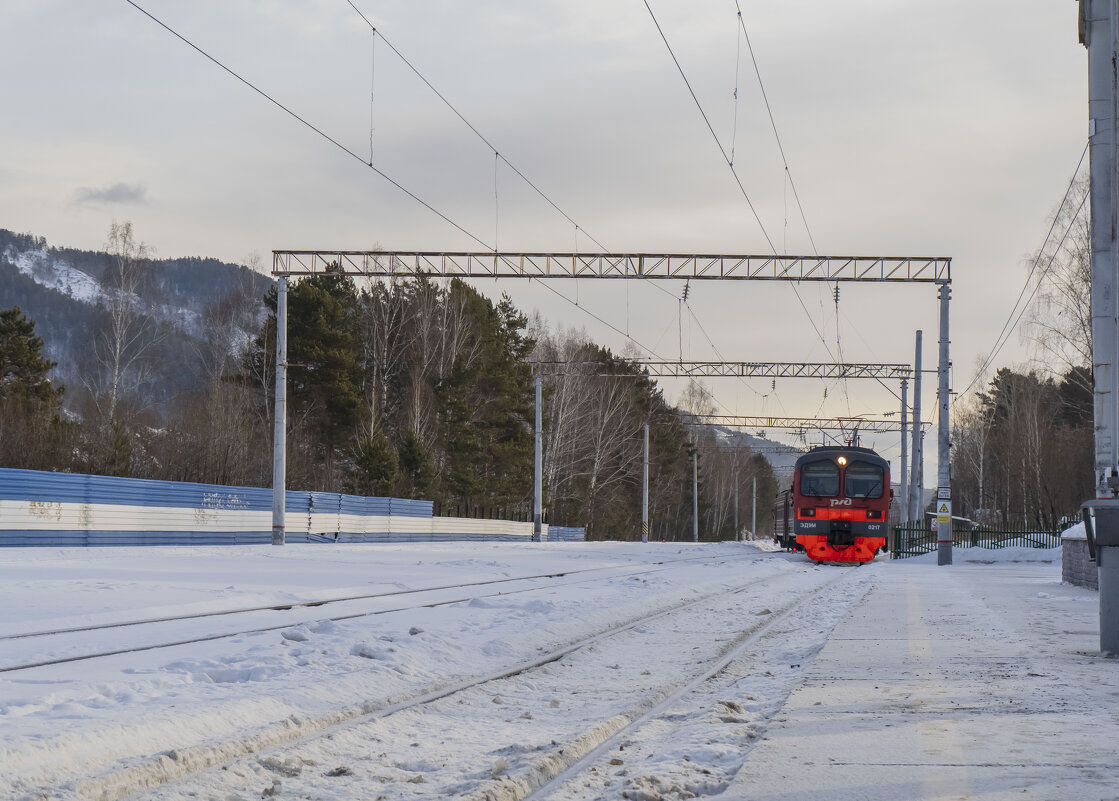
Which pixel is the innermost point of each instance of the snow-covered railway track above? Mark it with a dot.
(537, 764)
(295, 735)
(62, 645)
(348, 675)
(334, 599)
(563, 773)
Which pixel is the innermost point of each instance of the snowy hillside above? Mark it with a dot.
(179, 302)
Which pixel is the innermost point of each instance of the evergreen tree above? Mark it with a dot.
(486, 406)
(417, 467)
(32, 434)
(325, 373)
(324, 378)
(375, 468)
(23, 370)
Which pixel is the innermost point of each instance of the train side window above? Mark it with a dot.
(819, 479)
(863, 480)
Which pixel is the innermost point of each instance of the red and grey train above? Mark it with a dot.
(839, 504)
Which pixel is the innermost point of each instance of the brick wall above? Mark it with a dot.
(1076, 567)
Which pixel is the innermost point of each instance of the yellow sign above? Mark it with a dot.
(944, 512)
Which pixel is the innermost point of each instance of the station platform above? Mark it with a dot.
(967, 681)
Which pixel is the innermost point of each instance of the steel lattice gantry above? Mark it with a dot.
(642, 266)
(842, 424)
(721, 369)
(297, 263)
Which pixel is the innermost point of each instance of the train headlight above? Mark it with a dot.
(842, 460)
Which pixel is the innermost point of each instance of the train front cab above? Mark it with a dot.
(842, 502)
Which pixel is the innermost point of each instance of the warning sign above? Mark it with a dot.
(944, 511)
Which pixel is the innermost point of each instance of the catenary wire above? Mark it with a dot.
(1037, 287)
(710, 127)
(469, 125)
(734, 172)
(773, 124)
(1011, 320)
(498, 156)
(306, 123)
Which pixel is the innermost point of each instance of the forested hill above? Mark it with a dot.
(63, 290)
(412, 388)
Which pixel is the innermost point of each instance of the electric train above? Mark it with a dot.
(841, 504)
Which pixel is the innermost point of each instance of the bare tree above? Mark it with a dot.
(128, 333)
(1060, 322)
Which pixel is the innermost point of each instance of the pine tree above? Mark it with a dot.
(32, 434)
(23, 370)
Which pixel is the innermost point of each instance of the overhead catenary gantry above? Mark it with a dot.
(658, 368)
(641, 266)
(842, 424)
(676, 266)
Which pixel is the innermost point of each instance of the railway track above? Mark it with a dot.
(205, 735)
(64, 640)
(538, 773)
(591, 749)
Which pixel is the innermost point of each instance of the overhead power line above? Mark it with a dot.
(498, 156)
(734, 172)
(710, 127)
(1015, 315)
(308, 124)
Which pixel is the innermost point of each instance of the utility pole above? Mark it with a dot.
(943, 443)
(903, 506)
(737, 530)
(915, 511)
(754, 512)
(538, 488)
(695, 496)
(645, 490)
(279, 428)
(1099, 32)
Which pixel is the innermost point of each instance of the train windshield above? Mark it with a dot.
(863, 480)
(819, 479)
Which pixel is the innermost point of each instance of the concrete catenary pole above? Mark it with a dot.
(915, 510)
(1099, 32)
(645, 489)
(695, 496)
(754, 511)
(943, 443)
(538, 483)
(279, 429)
(737, 530)
(903, 485)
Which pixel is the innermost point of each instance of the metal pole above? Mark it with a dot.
(1099, 32)
(903, 506)
(279, 430)
(538, 491)
(645, 489)
(695, 496)
(943, 443)
(737, 530)
(754, 512)
(915, 511)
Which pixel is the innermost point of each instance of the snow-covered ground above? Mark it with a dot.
(590, 670)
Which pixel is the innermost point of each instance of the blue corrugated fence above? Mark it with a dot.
(72, 509)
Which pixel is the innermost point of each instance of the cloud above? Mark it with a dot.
(118, 193)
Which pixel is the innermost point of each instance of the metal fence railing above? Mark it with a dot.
(914, 539)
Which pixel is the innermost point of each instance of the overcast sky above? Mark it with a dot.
(911, 128)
